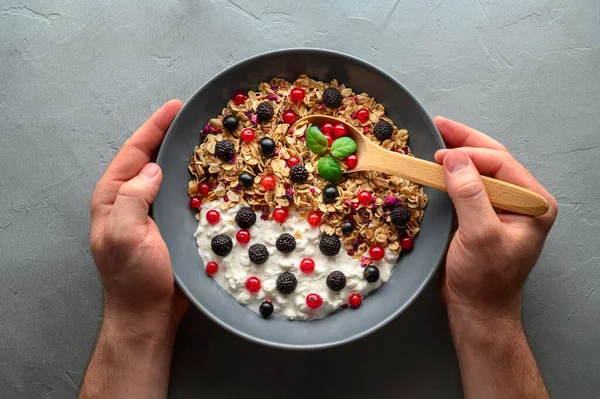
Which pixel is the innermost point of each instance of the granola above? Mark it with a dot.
(372, 221)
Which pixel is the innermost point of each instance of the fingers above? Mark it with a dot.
(140, 147)
(136, 152)
(502, 166)
(488, 162)
(133, 200)
(476, 216)
(456, 134)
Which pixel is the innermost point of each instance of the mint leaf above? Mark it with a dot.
(329, 168)
(343, 147)
(315, 140)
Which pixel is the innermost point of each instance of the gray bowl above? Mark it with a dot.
(177, 223)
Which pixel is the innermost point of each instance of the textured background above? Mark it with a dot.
(78, 76)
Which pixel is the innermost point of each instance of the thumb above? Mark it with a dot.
(465, 187)
(135, 196)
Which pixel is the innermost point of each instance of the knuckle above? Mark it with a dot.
(111, 238)
(470, 189)
(126, 190)
(131, 190)
(118, 239)
(488, 236)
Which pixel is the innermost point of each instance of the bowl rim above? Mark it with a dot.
(418, 291)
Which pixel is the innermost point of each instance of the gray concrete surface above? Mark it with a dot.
(78, 76)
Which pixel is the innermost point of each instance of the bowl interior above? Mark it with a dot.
(177, 223)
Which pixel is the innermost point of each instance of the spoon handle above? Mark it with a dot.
(502, 195)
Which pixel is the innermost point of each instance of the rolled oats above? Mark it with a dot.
(372, 223)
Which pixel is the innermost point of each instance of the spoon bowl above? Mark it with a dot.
(372, 157)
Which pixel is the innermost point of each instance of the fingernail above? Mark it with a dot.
(149, 171)
(456, 161)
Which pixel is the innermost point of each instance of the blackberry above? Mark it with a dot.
(347, 227)
(221, 244)
(266, 309)
(330, 245)
(230, 122)
(285, 243)
(245, 217)
(383, 130)
(225, 150)
(246, 179)
(258, 254)
(330, 193)
(264, 111)
(400, 215)
(336, 281)
(332, 97)
(286, 283)
(371, 274)
(298, 173)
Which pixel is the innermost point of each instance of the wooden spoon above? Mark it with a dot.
(502, 195)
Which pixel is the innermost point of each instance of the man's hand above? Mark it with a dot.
(142, 305)
(131, 256)
(488, 261)
(491, 253)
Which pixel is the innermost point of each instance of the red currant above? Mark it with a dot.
(376, 252)
(307, 265)
(211, 268)
(351, 161)
(239, 98)
(268, 182)
(292, 161)
(213, 217)
(314, 218)
(363, 115)
(329, 139)
(204, 188)
(327, 128)
(355, 300)
(289, 117)
(340, 130)
(243, 236)
(297, 94)
(280, 215)
(253, 284)
(406, 243)
(365, 197)
(195, 202)
(247, 135)
(314, 301)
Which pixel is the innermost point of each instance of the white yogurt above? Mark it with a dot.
(235, 268)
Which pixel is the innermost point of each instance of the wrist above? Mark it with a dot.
(494, 357)
(471, 326)
(132, 357)
(140, 327)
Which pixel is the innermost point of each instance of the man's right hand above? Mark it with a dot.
(492, 252)
(488, 261)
